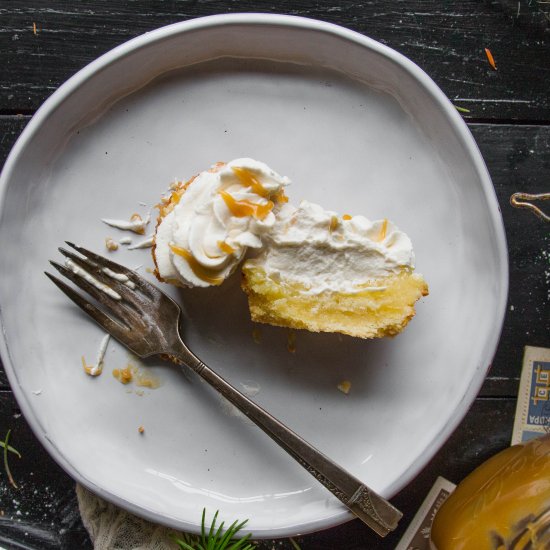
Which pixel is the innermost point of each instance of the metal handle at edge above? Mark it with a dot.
(368, 506)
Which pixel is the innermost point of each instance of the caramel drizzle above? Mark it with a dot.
(243, 208)
(87, 368)
(247, 179)
(383, 230)
(224, 247)
(280, 197)
(200, 271)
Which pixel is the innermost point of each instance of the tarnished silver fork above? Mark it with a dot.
(145, 320)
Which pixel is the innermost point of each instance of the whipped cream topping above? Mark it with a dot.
(322, 251)
(223, 212)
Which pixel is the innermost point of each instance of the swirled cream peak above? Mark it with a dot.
(322, 251)
(223, 212)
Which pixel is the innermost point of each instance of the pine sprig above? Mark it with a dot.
(216, 539)
(7, 447)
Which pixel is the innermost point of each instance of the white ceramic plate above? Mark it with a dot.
(359, 129)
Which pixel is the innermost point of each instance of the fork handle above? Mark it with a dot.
(367, 505)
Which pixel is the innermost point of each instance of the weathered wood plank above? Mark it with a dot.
(10, 128)
(43, 515)
(447, 39)
(518, 159)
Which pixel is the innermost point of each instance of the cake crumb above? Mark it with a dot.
(344, 386)
(110, 244)
(133, 374)
(124, 376)
(141, 430)
(146, 380)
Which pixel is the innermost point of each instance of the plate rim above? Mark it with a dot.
(462, 133)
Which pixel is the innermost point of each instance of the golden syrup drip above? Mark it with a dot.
(200, 271)
(280, 197)
(224, 247)
(249, 180)
(87, 368)
(92, 370)
(333, 224)
(243, 208)
(346, 217)
(383, 230)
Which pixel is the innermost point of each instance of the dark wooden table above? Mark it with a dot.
(44, 43)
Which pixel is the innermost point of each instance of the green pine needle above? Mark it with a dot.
(461, 109)
(9, 448)
(215, 539)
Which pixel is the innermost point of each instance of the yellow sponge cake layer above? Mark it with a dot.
(383, 308)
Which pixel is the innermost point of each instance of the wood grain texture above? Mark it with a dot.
(447, 39)
(10, 128)
(42, 514)
(518, 159)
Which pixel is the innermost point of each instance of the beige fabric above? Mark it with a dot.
(111, 528)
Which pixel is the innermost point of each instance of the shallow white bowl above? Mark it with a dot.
(359, 129)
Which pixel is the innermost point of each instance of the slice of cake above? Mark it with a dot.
(313, 270)
(207, 224)
(325, 273)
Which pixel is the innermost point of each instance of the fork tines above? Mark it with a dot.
(111, 284)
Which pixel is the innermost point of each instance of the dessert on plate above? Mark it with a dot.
(328, 273)
(208, 223)
(311, 268)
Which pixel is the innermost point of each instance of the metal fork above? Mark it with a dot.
(146, 321)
